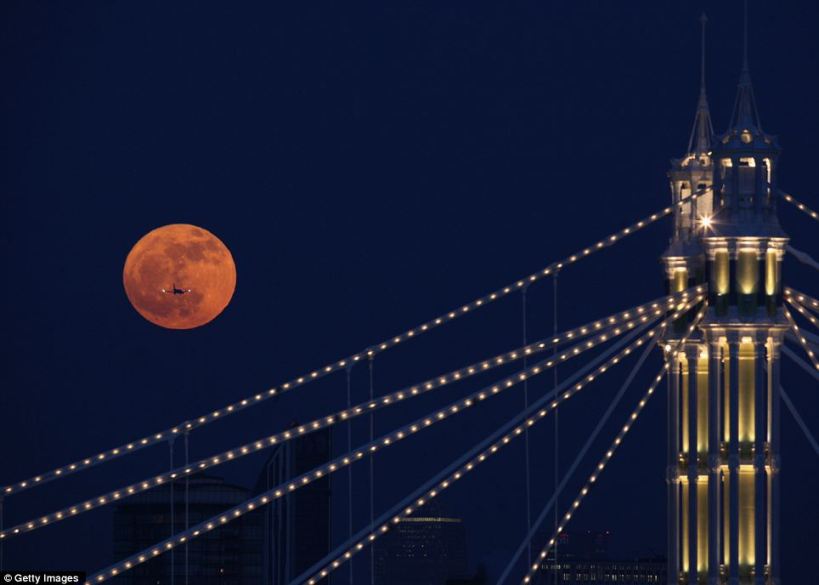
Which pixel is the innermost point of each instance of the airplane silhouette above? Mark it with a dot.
(175, 291)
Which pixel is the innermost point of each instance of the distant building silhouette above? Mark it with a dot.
(425, 549)
(585, 544)
(230, 555)
(641, 571)
(297, 526)
(584, 558)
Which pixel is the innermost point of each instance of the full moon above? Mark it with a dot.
(179, 276)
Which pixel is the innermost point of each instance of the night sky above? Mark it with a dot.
(370, 166)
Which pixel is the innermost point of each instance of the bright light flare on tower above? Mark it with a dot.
(706, 222)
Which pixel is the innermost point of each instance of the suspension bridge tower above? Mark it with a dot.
(723, 407)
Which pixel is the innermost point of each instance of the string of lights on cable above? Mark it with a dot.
(344, 415)
(604, 461)
(643, 314)
(344, 363)
(311, 577)
(799, 205)
(182, 428)
(803, 310)
(385, 441)
(806, 300)
(801, 338)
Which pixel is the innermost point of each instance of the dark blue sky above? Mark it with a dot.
(370, 166)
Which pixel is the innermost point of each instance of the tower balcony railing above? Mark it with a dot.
(684, 460)
(746, 451)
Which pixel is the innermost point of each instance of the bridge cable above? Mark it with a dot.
(467, 462)
(372, 472)
(803, 257)
(799, 205)
(350, 467)
(325, 422)
(274, 493)
(173, 527)
(527, 541)
(812, 339)
(556, 417)
(526, 454)
(439, 483)
(800, 362)
(283, 437)
(804, 311)
(598, 469)
(800, 297)
(341, 364)
(593, 478)
(799, 420)
(801, 338)
(654, 311)
(187, 506)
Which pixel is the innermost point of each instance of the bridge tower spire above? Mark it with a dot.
(691, 180)
(723, 473)
(703, 130)
(689, 175)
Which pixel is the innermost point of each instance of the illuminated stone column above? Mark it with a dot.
(672, 471)
(733, 459)
(774, 438)
(760, 434)
(747, 274)
(692, 357)
(714, 460)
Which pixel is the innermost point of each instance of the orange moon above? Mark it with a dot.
(179, 276)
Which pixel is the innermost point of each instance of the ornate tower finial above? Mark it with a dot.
(745, 36)
(703, 130)
(745, 113)
(703, 22)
